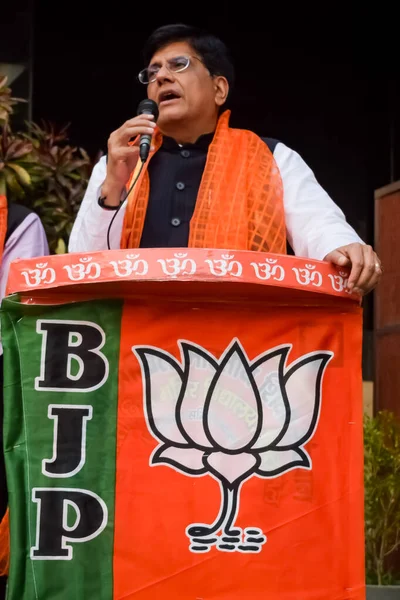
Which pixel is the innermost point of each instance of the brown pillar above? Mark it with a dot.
(387, 299)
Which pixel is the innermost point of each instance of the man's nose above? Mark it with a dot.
(164, 75)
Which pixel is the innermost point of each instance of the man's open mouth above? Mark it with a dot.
(167, 97)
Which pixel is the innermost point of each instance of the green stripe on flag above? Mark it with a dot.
(60, 396)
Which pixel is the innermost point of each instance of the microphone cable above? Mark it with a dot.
(122, 203)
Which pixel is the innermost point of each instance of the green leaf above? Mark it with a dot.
(61, 247)
(22, 173)
(3, 187)
(12, 183)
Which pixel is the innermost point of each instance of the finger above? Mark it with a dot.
(132, 122)
(373, 281)
(124, 153)
(338, 258)
(128, 133)
(368, 272)
(378, 264)
(140, 121)
(356, 257)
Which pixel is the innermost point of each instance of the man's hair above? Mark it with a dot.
(210, 49)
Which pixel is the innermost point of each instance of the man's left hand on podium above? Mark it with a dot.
(366, 268)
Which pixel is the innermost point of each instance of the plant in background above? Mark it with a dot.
(382, 495)
(57, 197)
(6, 101)
(40, 169)
(16, 159)
(20, 171)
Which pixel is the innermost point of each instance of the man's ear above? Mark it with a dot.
(221, 87)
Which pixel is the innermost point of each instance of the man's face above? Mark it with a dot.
(185, 96)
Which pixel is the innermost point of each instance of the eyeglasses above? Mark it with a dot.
(174, 65)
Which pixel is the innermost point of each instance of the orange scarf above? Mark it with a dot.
(3, 223)
(239, 204)
(4, 534)
(4, 545)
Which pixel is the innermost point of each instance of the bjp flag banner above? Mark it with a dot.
(183, 425)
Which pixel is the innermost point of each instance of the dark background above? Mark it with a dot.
(323, 78)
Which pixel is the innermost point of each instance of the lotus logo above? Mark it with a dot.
(233, 419)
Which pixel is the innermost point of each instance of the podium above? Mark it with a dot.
(183, 423)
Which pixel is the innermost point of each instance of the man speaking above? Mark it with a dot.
(205, 184)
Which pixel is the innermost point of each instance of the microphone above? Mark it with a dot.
(148, 107)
